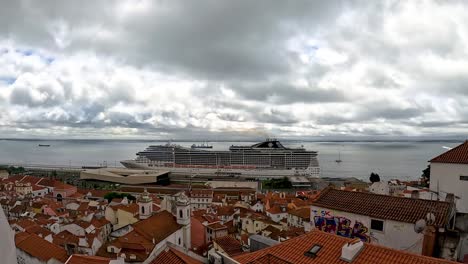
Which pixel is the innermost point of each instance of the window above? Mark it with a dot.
(143, 210)
(313, 251)
(377, 225)
(179, 241)
(463, 178)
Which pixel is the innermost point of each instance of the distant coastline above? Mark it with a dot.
(246, 140)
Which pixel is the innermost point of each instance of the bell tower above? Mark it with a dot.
(145, 205)
(183, 218)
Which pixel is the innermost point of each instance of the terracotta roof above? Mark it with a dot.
(292, 251)
(158, 226)
(25, 223)
(277, 210)
(458, 154)
(83, 259)
(131, 208)
(40, 231)
(230, 245)
(216, 226)
(41, 248)
(408, 210)
(303, 213)
(65, 237)
(174, 256)
(225, 210)
(20, 237)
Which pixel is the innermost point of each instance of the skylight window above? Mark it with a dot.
(313, 251)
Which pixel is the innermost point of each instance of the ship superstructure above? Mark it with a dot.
(265, 159)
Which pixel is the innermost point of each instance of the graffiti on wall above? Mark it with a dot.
(342, 227)
(323, 213)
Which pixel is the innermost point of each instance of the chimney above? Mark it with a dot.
(351, 250)
(429, 241)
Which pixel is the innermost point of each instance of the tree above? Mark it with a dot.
(426, 175)
(374, 177)
(112, 195)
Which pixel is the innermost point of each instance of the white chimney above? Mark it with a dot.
(351, 250)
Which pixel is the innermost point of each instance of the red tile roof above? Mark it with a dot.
(408, 210)
(216, 226)
(458, 154)
(277, 210)
(158, 226)
(83, 259)
(292, 251)
(303, 213)
(173, 256)
(40, 248)
(230, 245)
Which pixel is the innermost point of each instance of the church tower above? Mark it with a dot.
(145, 205)
(183, 218)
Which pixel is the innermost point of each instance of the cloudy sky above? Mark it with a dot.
(223, 69)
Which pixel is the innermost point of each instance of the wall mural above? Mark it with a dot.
(340, 226)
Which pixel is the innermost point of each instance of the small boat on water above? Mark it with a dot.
(339, 158)
(202, 146)
(44, 145)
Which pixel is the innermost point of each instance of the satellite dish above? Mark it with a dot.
(419, 226)
(430, 218)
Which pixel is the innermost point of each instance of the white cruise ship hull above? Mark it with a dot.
(310, 172)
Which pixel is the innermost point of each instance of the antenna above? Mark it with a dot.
(430, 218)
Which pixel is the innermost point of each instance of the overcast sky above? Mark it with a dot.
(233, 69)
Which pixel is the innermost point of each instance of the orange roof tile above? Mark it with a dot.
(158, 226)
(401, 209)
(458, 154)
(292, 251)
(216, 226)
(41, 248)
(277, 210)
(174, 256)
(83, 259)
(303, 213)
(230, 245)
(131, 208)
(65, 237)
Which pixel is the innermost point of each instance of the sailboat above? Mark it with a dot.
(339, 158)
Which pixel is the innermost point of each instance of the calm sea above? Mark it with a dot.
(402, 160)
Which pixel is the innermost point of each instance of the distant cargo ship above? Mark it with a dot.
(44, 145)
(265, 159)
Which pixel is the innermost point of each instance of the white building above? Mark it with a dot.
(380, 219)
(7, 243)
(154, 234)
(201, 198)
(449, 174)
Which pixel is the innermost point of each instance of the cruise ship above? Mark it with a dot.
(268, 159)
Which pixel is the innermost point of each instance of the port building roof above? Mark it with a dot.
(458, 155)
(124, 176)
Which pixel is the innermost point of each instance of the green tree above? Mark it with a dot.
(374, 177)
(426, 175)
(112, 195)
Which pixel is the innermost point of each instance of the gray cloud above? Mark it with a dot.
(188, 69)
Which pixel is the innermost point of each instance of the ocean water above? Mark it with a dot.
(401, 160)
